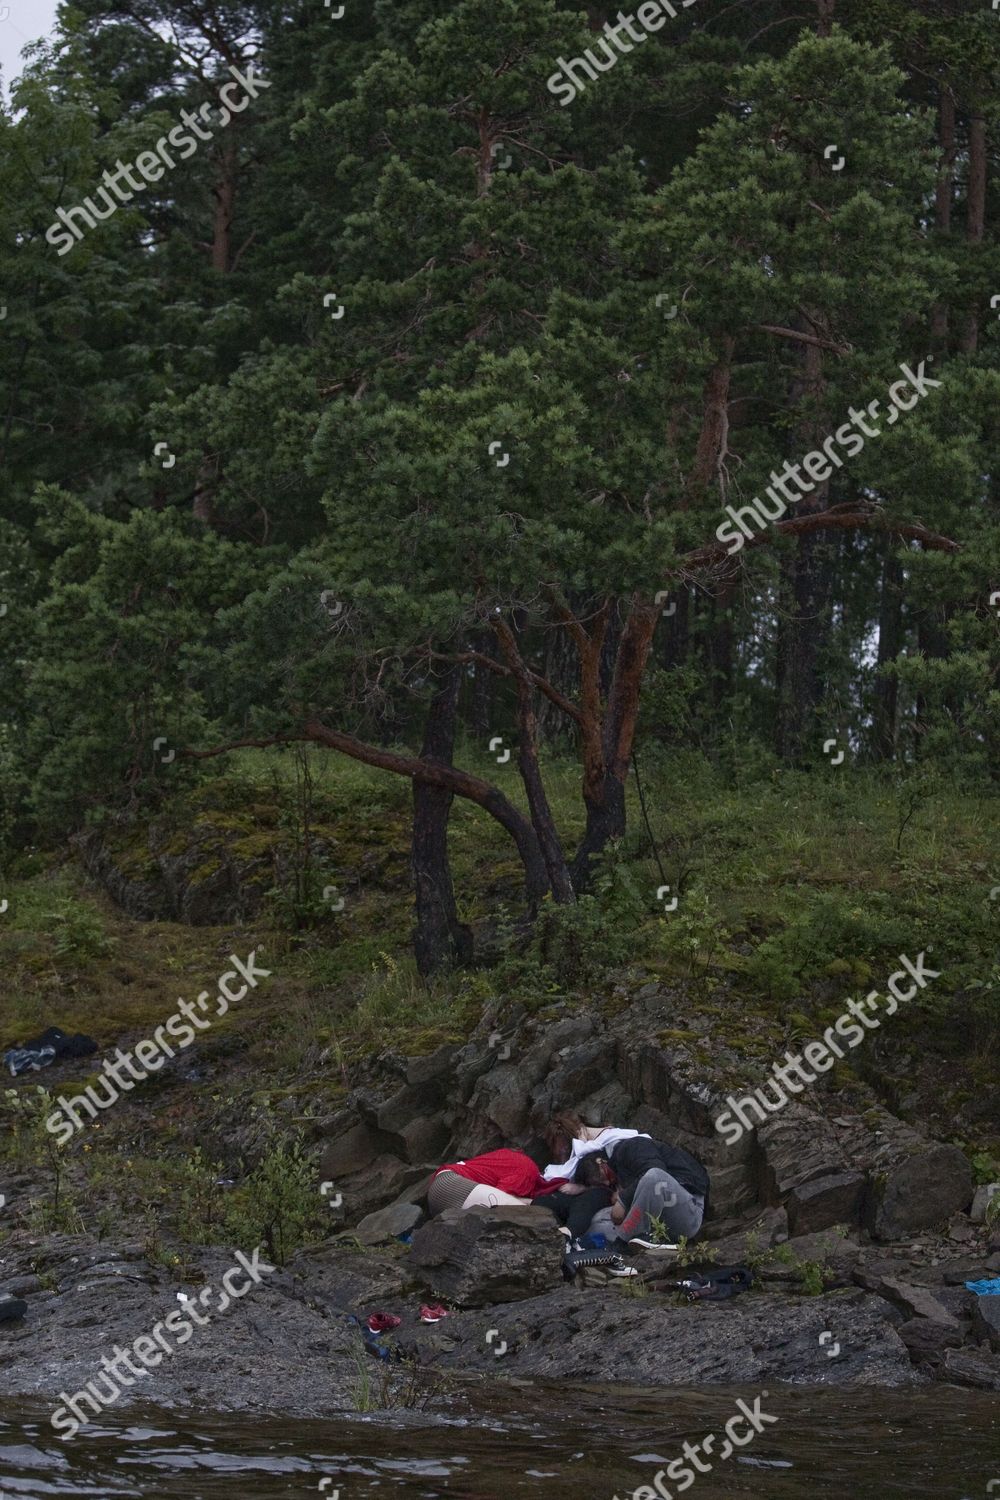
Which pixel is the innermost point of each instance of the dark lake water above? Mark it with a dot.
(550, 1442)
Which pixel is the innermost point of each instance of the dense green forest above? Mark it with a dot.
(416, 405)
(499, 528)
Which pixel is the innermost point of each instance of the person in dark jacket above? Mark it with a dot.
(650, 1181)
(578, 1211)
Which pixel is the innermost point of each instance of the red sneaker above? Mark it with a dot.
(382, 1322)
(432, 1313)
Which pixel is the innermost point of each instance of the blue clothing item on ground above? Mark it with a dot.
(372, 1342)
(985, 1288)
(42, 1050)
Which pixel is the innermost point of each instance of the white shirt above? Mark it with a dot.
(596, 1140)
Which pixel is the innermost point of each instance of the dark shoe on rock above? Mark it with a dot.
(606, 1260)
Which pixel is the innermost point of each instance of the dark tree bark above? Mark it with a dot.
(943, 195)
(720, 647)
(481, 694)
(803, 629)
(608, 747)
(806, 578)
(440, 940)
(527, 753)
(224, 194)
(885, 718)
(674, 634)
(975, 221)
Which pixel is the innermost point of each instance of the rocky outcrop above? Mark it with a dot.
(221, 868)
(586, 1334)
(482, 1257)
(854, 1206)
(867, 1171)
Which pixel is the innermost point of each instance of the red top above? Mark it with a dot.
(511, 1171)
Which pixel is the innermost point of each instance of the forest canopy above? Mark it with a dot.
(358, 389)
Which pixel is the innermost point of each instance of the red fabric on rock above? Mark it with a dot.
(511, 1171)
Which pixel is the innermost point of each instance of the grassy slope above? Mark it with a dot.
(793, 897)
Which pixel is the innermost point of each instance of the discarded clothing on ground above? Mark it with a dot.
(42, 1050)
(718, 1284)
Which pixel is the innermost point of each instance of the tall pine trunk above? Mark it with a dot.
(975, 219)
(440, 940)
(885, 719)
(804, 593)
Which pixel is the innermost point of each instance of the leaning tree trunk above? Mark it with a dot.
(440, 940)
(531, 772)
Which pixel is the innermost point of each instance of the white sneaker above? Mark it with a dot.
(619, 1267)
(653, 1247)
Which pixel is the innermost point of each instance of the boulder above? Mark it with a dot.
(661, 1078)
(388, 1223)
(956, 1273)
(424, 1139)
(377, 1185)
(575, 1073)
(432, 1068)
(597, 1335)
(412, 1100)
(570, 1032)
(835, 1199)
(502, 1097)
(351, 1152)
(915, 1301)
(926, 1339)
(471, 1062)
(972, 1367)
(330, 1127)
(921, 1188)
(834, 1247)
(608, 1105)
(799, 1147)
(986, 1321)
(913, 1183)
(416, 1190)
(733, 1190)
(984, 1193)
(475, 1257)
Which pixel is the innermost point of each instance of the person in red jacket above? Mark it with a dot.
(504, 1176)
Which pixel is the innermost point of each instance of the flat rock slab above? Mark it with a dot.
(387, 1223)
(916, 1301)
(272, 1349)
(603, 1334)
